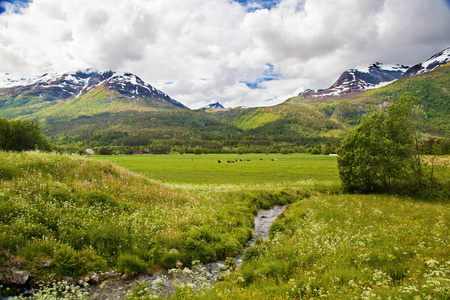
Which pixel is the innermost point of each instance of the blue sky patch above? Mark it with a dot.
(268, 75)
(13, 6)
(447, 2)
(253, 5)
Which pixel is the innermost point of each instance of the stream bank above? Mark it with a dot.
(162, 283)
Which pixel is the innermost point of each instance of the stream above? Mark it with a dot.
(162, 282)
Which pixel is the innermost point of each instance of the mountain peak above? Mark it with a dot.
(216, 105)
(359, 79)
(430, 64)
(53, 87)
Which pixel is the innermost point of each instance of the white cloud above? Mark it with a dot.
(200, 51)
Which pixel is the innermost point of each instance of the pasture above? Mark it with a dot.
(255, 170)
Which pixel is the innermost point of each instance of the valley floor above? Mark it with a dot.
(66, 216)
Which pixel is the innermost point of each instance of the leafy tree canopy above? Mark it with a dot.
(22, 136)
(380, 153)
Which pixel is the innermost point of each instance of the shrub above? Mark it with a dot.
(169, 259)
(315, 151)
(66, 261)
(251, 253)
(131, 264)
(105, 151)
(91, 262)
(272, 269)
(36, 249)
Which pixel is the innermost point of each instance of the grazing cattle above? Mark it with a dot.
(228, 161)
(248, 159)
(233, 161)
(219, 161)
(272, 159)
(260, 159)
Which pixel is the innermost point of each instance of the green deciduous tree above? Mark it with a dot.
(380, 153)
(22, 135)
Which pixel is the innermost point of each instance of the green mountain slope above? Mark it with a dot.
(432, 91)
(282, 121)
(139, 128)
(71, 95)
(107, 116)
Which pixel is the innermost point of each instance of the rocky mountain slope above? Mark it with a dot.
(360, 79)
(28, 94)
(430, 64)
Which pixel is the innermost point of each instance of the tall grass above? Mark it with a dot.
(349, 247)
(87, 215)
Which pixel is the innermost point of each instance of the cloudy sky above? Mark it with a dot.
(237, 52)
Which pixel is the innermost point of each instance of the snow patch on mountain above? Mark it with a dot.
(216, 105)
(360, 78)
(430, 64)
(75, 84)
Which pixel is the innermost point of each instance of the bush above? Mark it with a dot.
(170, 259)
(315, 151)
(131, 264)
(379, 154)
(66, 261)
(105, 151)
(251, 253)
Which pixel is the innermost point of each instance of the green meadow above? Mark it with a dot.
(248, 170)
(66, 215)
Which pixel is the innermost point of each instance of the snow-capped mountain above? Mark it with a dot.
(430, 64)
(216, 105)
(72, 85)
(369, 76)
(360, 79)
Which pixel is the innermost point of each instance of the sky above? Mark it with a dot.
(236, 52)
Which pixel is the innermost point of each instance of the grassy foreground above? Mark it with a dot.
(84, 215)
(65, 215)
(348, 247)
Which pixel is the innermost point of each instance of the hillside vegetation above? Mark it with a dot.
(104, 117)
(282, 122)
(64, 215)
(432, 91)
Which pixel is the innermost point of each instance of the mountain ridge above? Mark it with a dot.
(357, 80)
(33, 93)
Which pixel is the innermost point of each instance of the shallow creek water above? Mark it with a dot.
(115, 288)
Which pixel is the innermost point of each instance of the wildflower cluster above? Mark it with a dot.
(61, 290)
(349, 247)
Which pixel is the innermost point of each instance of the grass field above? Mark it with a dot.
(262, 170)
(87, 215)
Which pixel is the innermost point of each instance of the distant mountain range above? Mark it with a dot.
(357, 80)
(64, 93)
(106, 108)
